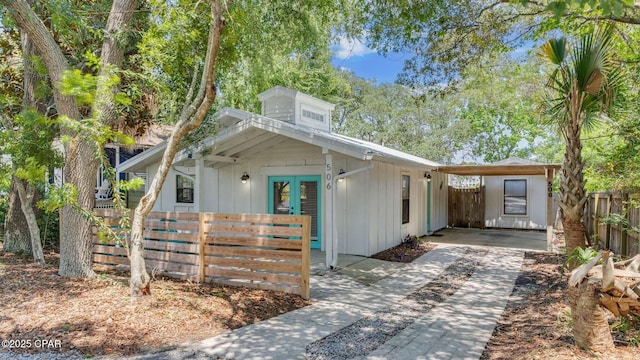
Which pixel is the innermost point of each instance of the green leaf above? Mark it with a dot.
(558, 8)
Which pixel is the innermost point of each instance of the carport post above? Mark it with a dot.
(428, 176)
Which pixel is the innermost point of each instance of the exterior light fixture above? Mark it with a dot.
(428, 176)
(340, 173)
(244, 177)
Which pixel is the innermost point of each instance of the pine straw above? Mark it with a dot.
(536, 323)
(96, 316)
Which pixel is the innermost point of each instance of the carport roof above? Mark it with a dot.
(498, 169)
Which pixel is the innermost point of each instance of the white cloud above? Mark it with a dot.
(347, 48)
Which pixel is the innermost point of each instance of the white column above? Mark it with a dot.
(328, 208)
(198, 185)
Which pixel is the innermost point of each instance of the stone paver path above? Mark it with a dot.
(457, 328)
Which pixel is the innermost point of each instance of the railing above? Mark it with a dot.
(616, 237)
(262, 251)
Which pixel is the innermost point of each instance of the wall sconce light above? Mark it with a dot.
(340, 173)
(244, 177)
(428, 177)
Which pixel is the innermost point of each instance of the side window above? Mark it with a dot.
(405, 198)
(515, 197)
(184, 189)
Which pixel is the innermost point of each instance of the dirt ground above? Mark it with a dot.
(536, 323)
(95, 316)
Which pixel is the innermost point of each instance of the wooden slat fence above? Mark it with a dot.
(602, 205)
(261, 251)
(466, 207)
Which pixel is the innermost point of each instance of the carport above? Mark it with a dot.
(515, 167)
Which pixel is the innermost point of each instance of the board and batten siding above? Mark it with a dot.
(368, 204)
(439, 200)
(352, 204)
(536, 203)
(385, 206)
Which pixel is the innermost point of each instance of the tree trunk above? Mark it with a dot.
(193, 112)
(590, 326)
(27, 193)
(140, 281)
(81, 163)
(574, 233)
(16, 237)
(75, 231)
(572, 194)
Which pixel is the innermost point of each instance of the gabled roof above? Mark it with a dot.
(245, 134)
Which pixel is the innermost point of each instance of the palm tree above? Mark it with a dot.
(582, 89)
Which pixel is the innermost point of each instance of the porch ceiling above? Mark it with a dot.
(497, 170)
(233, 149)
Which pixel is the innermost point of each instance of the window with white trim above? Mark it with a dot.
(405, 198)
(184, 189)
(515, 197)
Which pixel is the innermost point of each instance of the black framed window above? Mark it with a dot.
(405, 198)
(515, 197)
(184, 189)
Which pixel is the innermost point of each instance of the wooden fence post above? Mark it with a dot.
(202, 225)
(306, 257)
(607, 227)
(596, 218)
(623, 240)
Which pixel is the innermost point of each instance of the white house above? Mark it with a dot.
(363, 198)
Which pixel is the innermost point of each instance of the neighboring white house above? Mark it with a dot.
(363, 197)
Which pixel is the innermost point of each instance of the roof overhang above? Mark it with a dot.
(498, 170)
(246, 134)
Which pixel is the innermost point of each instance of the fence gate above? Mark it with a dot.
(466, 207)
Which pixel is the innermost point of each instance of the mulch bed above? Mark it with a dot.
(96, 316)
(536, 323)
(406, 252)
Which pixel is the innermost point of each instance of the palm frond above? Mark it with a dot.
(554, 51)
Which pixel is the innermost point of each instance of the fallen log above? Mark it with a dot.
(579, 273)
(634, 264)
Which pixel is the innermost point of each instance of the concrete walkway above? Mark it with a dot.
(457, 328)
(514, 239)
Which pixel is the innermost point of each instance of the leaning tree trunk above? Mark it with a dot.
(27, 194)
(194, 111)
(572, 193)
(16, 237)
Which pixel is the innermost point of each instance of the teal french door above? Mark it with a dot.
(297, 195)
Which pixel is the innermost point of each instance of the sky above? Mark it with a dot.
(365, 62)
